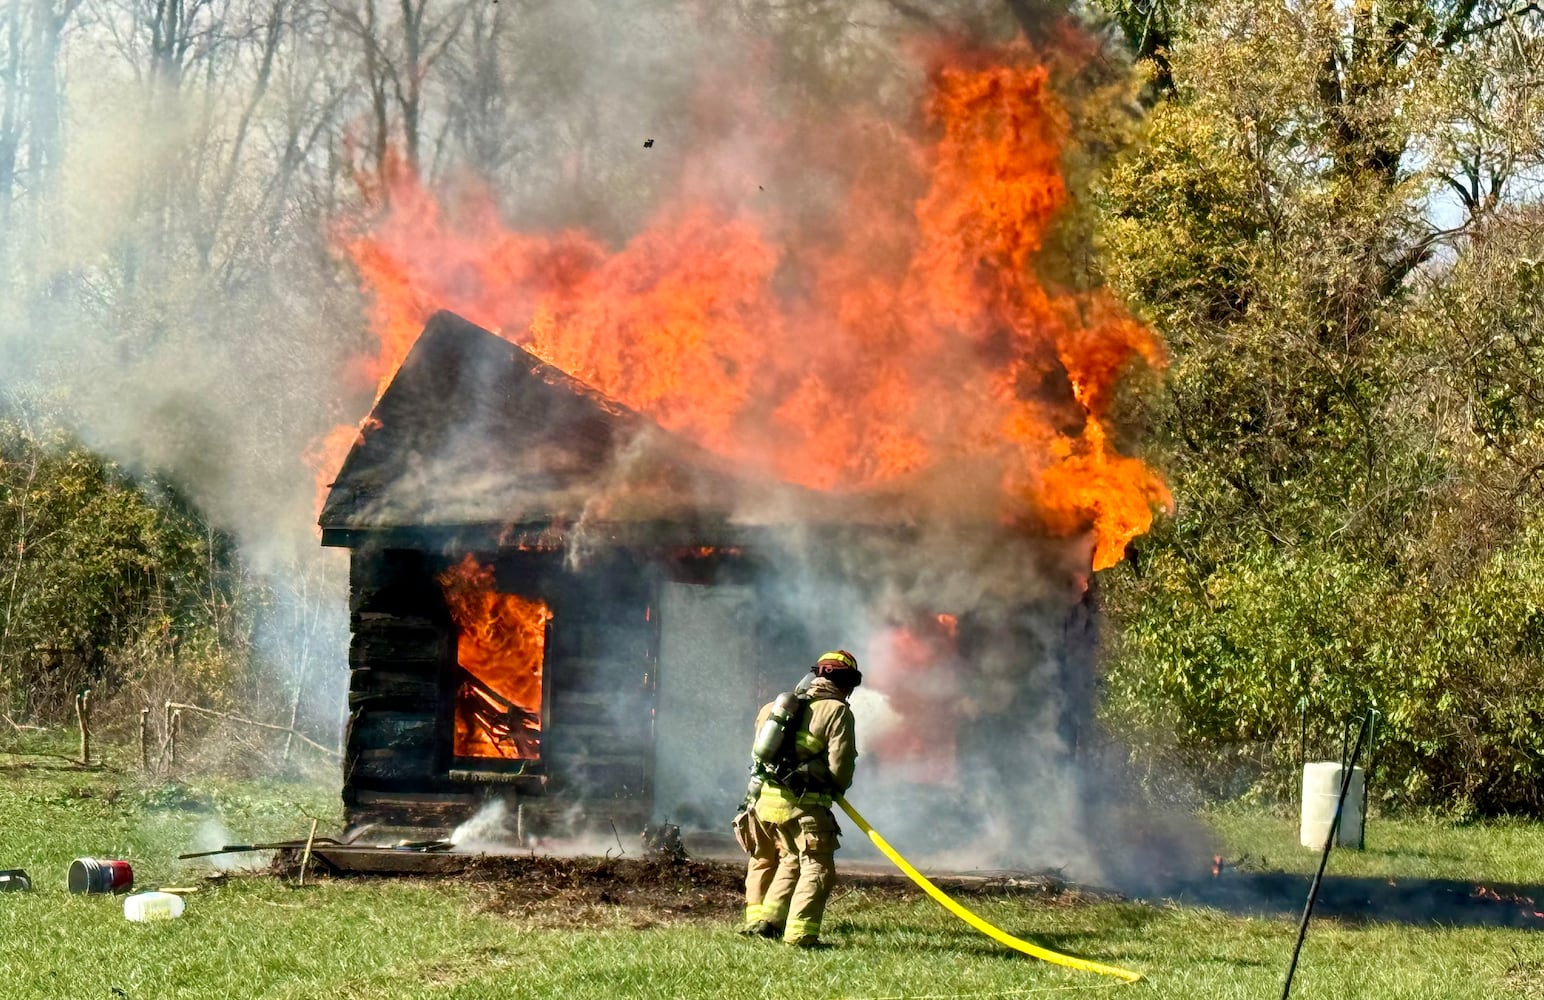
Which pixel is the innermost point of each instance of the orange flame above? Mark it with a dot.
(501, 643)
(912, 666)
(900, 330)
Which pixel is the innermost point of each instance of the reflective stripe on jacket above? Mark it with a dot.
(825, 741)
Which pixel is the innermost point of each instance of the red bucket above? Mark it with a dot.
(98, 875)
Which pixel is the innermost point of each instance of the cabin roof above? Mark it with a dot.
(475, 430)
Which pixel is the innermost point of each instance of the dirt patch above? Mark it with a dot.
(588, 892)
(623, 892)
(639, 893)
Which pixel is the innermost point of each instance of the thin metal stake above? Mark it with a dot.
(1329, 842)
(1372, 734)
(83, 716)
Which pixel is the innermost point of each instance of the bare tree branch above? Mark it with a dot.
(1459, 29)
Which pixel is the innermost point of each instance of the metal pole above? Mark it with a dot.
(1329, 842)
(1372, 733)
(1302, 732)
(80, 719)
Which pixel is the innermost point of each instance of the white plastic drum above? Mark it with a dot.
(1321, 787)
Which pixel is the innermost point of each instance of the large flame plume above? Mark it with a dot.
(899, 329)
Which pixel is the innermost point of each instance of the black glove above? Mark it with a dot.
(792, 778)
(810, 776)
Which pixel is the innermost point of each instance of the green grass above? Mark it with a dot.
(366, 939)
(1495, 851)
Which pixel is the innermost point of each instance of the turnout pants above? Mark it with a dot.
(795, 899)
(759, 840)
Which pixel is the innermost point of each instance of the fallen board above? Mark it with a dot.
(346, 860)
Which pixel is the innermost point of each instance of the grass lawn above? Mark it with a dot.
(356, 939)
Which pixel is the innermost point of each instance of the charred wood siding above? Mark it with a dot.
(602, 651)
(403, 643)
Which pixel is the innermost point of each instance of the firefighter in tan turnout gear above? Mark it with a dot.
(804, 755)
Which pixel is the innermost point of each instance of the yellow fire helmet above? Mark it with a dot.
(840, 656)
(841, 667)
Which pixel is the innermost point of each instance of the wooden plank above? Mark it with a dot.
(407, 647)
(394, 621)
(472, 776)
(381, 685)
(364, 860)
(393, 765)
(446, 799)
(378, 730)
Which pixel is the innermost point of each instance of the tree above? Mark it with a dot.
(31, 36)
(94, 566)
(399, 51)
(1310, 175)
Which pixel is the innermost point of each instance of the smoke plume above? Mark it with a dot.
(182, 289)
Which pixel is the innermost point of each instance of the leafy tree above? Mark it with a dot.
(98, 571)
(1313, 180)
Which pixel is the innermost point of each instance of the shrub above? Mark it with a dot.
(1203, 664)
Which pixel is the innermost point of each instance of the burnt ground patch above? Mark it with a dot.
(1435, 902)
(567, 892)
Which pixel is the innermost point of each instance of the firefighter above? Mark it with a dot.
(788, 829)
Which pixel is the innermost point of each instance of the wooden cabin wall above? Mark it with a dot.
(1028, 665)
(599, 675)
(403, 640)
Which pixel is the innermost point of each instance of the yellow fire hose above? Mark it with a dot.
(996, 934)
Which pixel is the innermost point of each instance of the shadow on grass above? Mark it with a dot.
(1412, 901)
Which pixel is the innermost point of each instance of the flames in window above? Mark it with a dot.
(501, 642)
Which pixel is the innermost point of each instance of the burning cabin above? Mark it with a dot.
(558, 603)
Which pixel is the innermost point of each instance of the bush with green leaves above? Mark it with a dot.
(101, 574)
(1203, 665)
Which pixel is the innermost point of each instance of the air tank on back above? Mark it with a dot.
(769, 738)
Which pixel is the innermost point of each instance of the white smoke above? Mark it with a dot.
(879, 719)
(212, 835)
(490, 830)
(171, 294)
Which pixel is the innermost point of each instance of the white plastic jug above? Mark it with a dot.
(1321, 790)
(153, 906)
